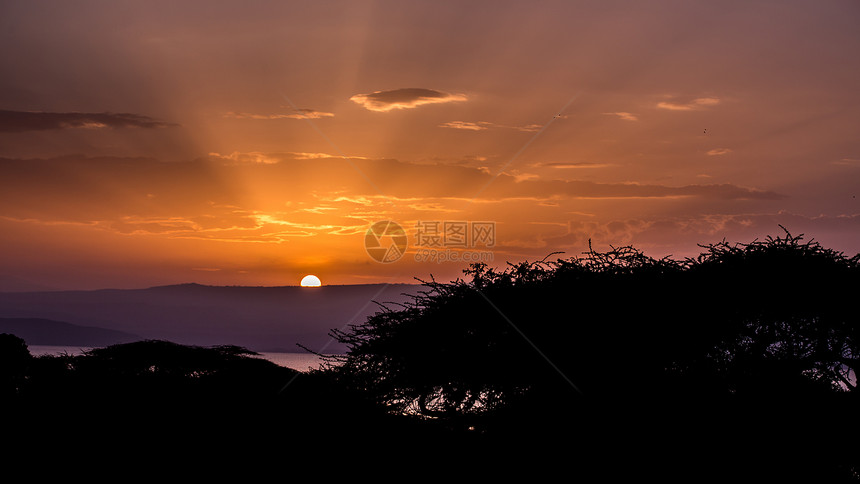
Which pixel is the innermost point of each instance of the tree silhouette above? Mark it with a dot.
(160, 372)
(759, 320)
(15, 359)
(787, 323)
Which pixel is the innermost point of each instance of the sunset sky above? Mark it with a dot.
(250, 143)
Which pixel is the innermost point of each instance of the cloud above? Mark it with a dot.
(582, 164)
(680, 236)
(407, 98)
(398, 179)
(625, 116)
(299, 114)
(520, 177)
(20, 121)
(311, 114)
(250, 157)
(292, 195)
(829, 230)
(259, 157)
(719, 152)
(479, 126)
(482, 125)
(698, 103)
(313, 156)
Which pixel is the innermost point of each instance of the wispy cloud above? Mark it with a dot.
(575, 165)
(699, 103)
(301, 155)
(298, 114)
(625, 116)
(20, 121)
(482, 125)
(407, 98)
(251, 157)
(467, 125)
(426, 179)
(719, 151)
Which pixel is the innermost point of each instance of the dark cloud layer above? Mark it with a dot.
(20, 121)
(82, 189)
(405, 98)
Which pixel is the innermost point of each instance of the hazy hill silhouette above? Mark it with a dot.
(36, 331)
(258, 318)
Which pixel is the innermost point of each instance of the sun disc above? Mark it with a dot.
(311, 281)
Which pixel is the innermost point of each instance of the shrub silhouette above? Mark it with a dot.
(153, 370)
(151, 377)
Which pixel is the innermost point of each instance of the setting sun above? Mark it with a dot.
(311, 281)
(613, 131)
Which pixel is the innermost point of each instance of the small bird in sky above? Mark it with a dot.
(705, 131)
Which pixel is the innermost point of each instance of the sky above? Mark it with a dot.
(252, 143)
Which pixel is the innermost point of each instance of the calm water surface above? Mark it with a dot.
(296, 361)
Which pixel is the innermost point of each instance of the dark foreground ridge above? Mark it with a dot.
(739, 364)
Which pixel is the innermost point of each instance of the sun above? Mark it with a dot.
(311, 281)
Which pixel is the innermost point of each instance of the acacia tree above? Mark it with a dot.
(768, 317)
(559, 329)
(782, 316)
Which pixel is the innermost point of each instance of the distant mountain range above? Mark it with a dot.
(37, 331)
(258, 318)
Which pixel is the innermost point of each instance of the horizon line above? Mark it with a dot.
(186, 284)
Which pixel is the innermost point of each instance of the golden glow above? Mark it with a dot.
(252, 159)
(311, 281)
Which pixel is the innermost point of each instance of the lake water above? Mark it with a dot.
(296, 361)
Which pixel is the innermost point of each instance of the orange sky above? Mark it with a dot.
(251, 143)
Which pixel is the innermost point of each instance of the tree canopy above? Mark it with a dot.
(766, 319)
